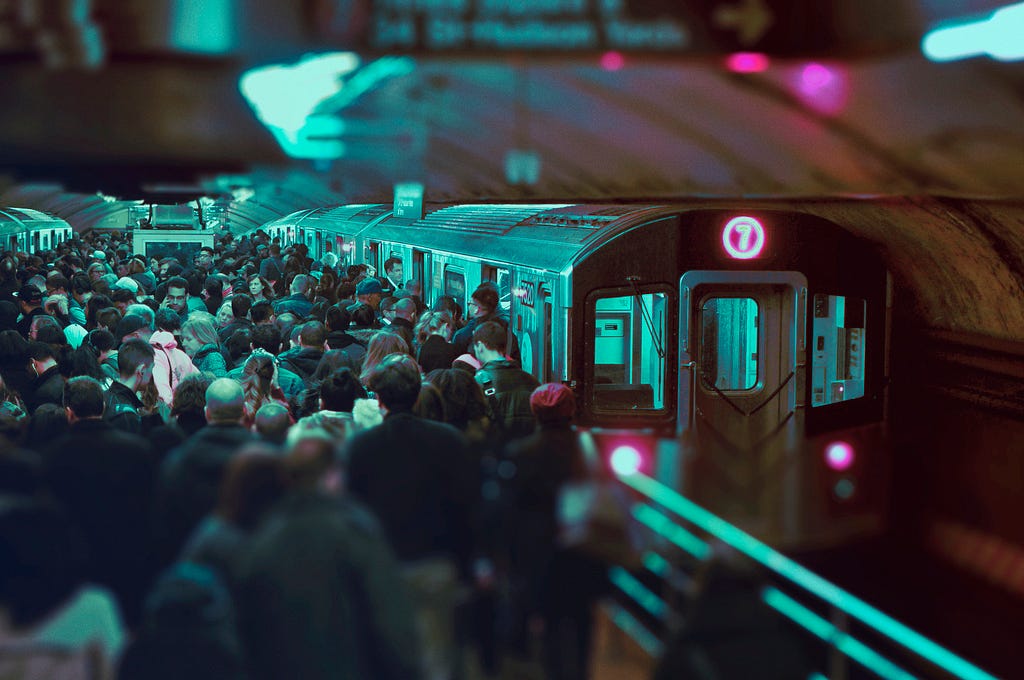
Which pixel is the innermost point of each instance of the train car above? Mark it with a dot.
(329, 230)
(27, 230)
(757, 338)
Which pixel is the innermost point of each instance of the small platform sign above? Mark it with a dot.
(743, 238)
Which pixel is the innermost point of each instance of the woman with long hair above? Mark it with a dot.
(259, 288)
(259, 384)
(433, 334)
(381, 344)
(200, 341)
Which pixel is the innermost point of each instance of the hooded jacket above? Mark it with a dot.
(170, 366)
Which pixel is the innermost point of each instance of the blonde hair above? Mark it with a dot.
(430, 323)
(201, 329)
(381, 344)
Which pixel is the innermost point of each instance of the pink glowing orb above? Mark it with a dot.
(822, 88)
(747, 62)
(625, 460)
(839, 456)
(612, 61)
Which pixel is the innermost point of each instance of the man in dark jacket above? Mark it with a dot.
(356, 621)
(298, 302)
(304, 359)
(105, 478)
(506, 386)
(483, 307)
(124, 410)
(48, 385)
(191, 475)
(30, 301)
(240, 304)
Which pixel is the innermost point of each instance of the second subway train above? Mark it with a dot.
(755, 335)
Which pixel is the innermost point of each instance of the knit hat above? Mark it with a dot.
(369, 286)
(552, 402)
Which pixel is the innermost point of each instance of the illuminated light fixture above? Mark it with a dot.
(850, 646)
(743, 238)
(612, 61)
(998, 36)
(805, 578)
(625, 460)
(822, 88)
(747, 62)
(839, 456)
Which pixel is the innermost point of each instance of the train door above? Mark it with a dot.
(741, 384)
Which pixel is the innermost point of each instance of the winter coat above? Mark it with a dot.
(209, 360)
(508, 388)
(170, 366)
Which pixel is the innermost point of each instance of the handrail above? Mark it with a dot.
(803, 577)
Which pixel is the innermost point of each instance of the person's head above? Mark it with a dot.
(313, 335)
(225, 402)
(285, 323)
(405, 308)
(95, 271)
(259, 287)
(167, 320)
(414, 288)
(266, 337)
(272, 422)
(362, 315)
(190, 395)
(101, 340)
(213, 288)
(484, 300)
(387, 307)
(224, 314)
(253, 481)
(205, 258)
(463, 397)
(393, 268)
(430, 404)
(311, 461)
(41, 357)
(369, 292)
(553, 404)
(381, 345)
(144, 311)
(337, 318)
(29, 298)
(261, 312)
(44, 328)
(396, 381)
(339, 391)
(240, 305)
(81, 288)
(433, 323)
(177, 294)
(197, 332)
(135, 362)
(57, 283)
(302, 285)
(133, 326)
(122, 298)
(259, 373)
(83, 399)
(447, 303)
(238, 344)
(489, 341)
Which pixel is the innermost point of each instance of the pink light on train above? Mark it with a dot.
(822, 88)
(747, 62)
(612, 61)
(839, 456)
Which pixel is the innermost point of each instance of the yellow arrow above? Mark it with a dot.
(751, 19)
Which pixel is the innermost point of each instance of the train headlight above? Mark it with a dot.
(839, 456)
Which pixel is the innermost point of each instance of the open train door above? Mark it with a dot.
(741, 385)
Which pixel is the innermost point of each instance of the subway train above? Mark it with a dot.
(26, 230)
(737, 353)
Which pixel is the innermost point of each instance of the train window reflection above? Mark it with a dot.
(629, 372)
(837, 364)
(729, 358)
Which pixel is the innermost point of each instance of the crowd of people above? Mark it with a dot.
(257, 465)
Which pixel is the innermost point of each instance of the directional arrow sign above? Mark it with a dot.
(751, 19)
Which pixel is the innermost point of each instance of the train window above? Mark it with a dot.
(630, 360)
(837, 364)
(729, 343)
(371, 255)
(419, 273)
(455, 285)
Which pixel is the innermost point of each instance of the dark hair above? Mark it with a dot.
(84, 396)
(285, 323)
(84, 362)
(363, 315)
(447, 303)
(266, 336)
(13, 347)
(463, 397)
(240, 305)
(396, 380)
(340, 389)
(493, 335)
(177, 282)
(313, 334)
(134, 353)
(260, 311)
(214, 286)
(167, 320)
(190, 394)
(101, 340)
(108, 318)
(253, 481)
(337, 318)
(238, 343)
(80, 284)
(122, 295)
(93, 307)
(391, 262)
(40, 351)
(430, 403)
(486, 295)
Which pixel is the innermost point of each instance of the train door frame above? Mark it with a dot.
(421, 272)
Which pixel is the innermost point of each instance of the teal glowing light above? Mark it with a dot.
(636, 630)
(299, 103)
(638, 592)
(851, 647)
(998, 36)
(625, 460)
(666, 528)
(830, 593)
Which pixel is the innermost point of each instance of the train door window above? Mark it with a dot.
(35, 242)
(371, 254)
(729, 358)
(630, 353)
(455, 285)
(14, 243)
(502, 279)
(419, 272)
(837, 364)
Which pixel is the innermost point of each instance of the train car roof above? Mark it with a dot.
(25, 216)
(549, 236)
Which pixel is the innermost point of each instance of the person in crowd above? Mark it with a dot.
(298, 302)
(507, 386)
(170, 364)
(260, 289)
(124, 409)
(138, 271)
(358, 621)
(337, 320)
(483, 307)
(30, 300)
(369, 292)
(303, 360)
(427, 510)
(392, 275)
(80, 291)
(188, 408)
(382, 344)
(327, 288)
(403, 320)
(14, 366)
(262, 313)
(104, 345)
(432, 335)
(259, 383)
(240, 304)
(272, 423)
(447, 303)
(213, 293)
(105, 478)
(224, 315)
(335, 398)
(177, 296)
(253, 482)
(149, 315)
(192, 473)
(200, 341)
(48, 385)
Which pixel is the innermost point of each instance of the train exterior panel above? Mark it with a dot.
(757, 337)
(27, 230)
